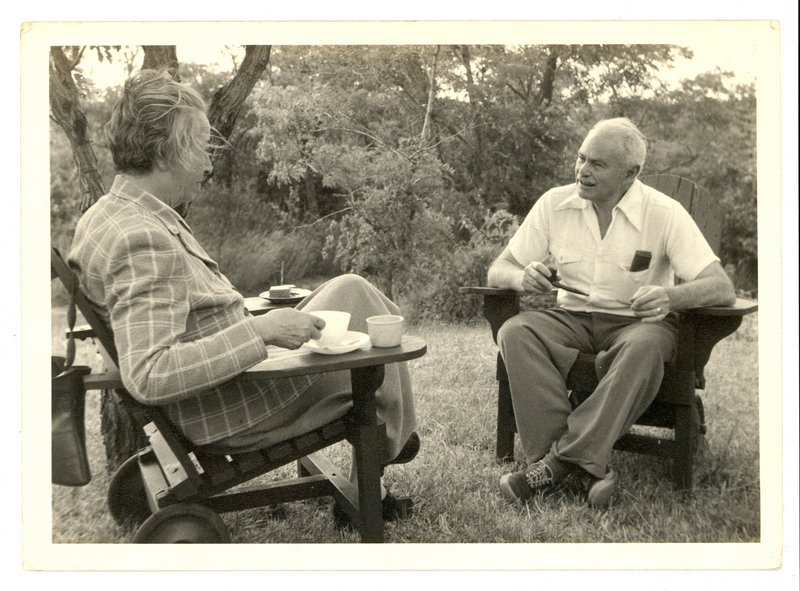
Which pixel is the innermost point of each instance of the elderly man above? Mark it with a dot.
(592, 230)
(181, 329)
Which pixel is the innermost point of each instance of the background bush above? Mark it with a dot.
(341, 162)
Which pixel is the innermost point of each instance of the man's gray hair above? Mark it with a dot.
(633, 141)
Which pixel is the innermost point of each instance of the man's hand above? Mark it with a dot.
(650, 303)
(508, 273)
(288, 328)
(535, 279)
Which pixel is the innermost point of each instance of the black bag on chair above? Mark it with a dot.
(70, 464)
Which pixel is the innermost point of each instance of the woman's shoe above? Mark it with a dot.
(409, 451)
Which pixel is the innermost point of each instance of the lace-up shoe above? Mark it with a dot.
(540, 476)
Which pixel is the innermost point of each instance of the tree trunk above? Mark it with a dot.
(426, 126)
(310, 194)
(161, 57)
(228, 100)
(66, 110)
(477, 154)
(122, 436)
(545, 94)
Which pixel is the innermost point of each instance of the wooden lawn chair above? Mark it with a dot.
(677, 407)
(173, 491)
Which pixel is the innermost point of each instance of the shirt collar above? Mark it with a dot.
(574, 201)
(127, 189)
(631, 203)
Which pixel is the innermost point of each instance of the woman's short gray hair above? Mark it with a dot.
(156, 120)
(633, 141)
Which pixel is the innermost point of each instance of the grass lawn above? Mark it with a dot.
(454, 478)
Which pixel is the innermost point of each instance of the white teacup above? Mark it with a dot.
(336, 324)
(385, 330)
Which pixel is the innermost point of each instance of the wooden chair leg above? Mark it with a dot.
(368, 445)
(506, 426)
(686, 432)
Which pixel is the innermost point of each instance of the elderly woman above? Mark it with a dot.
(181, 329)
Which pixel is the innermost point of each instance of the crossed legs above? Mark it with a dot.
(540, 347)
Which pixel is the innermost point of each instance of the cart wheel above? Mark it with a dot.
(184, 523)
(127, 500)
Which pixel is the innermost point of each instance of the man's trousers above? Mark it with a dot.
(539, 348)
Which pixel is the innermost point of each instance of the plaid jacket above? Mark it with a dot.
(181, 329)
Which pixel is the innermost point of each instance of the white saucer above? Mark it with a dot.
(353, 340)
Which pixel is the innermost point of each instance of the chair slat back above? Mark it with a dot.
(59, 268)
(705, 211)
(141, 413)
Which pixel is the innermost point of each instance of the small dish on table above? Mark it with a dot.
(289, 295)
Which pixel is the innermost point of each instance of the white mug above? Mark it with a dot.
(385, 330)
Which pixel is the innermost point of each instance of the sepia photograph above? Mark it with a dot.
(460, 291)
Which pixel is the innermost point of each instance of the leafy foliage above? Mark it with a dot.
(467, 265)
(329, 170)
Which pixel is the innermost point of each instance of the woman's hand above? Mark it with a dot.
(288, 328)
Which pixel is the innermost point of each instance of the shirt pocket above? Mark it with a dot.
(630, 282)
(564, 255)
(569, 263)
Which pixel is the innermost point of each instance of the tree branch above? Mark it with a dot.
(228, 100)
(66, 110)
(318, 220)
(519, 93)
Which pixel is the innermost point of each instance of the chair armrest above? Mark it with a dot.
(740, 308)
(107, 380)
(490, 291)
(498, 304)
(82, 332)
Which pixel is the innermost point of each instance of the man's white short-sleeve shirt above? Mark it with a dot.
(564, 226)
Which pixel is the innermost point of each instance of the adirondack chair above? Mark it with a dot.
(677, 408)
(173, 491)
